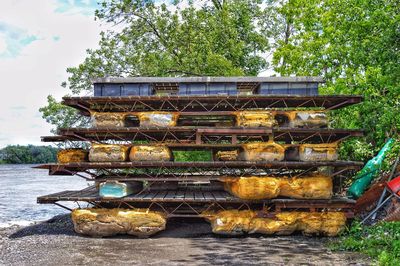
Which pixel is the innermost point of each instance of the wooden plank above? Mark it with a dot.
(198, 195)
(195, 196)
(219, 196)
(161, 195)
(139, 195)
(189, 195)
(149, 195)
(209, 196)
(170, 195)
(180, 195)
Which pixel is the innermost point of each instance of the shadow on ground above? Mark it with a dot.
(62, 225)
(184, 242)
(176, 228)
(258, 250)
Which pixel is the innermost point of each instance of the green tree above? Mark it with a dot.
(17, 154)
(354, 45)
(216, 38)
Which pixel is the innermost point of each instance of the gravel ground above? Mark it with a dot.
(188, 242)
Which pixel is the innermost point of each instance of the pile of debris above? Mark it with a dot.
(381, 202)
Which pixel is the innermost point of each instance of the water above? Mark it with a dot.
(20, 185)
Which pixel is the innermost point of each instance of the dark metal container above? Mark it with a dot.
(288, 88)
(127, 89)
(207, 88)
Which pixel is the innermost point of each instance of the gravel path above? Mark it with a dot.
(186, 242)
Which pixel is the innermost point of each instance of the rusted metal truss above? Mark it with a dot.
(187, 136)
(193, 203)
(198, 183)
(208, 103)
(184, 169)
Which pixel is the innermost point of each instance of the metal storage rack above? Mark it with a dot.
(199, 193)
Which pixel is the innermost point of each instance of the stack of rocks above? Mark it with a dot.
(262, 163)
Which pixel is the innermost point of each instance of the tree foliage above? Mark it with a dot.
(61, 116)
(353, 44)
(16, 154)
(216, 38)
(186, 39)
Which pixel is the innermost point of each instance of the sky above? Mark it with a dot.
(38, 41)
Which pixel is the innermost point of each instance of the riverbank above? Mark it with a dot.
(184, 242)
(20, 185)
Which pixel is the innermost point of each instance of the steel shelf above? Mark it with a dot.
(234, 168)
(209, 103)
(187, 136)
(193, 202)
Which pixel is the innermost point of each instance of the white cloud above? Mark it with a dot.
(15, 39)
(63, 30)
(3, 44)
(38, 69)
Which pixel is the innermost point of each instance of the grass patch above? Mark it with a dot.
(192, 156)
(381, 241)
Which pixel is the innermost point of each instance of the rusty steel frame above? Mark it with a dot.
(203, 135)
(199, 138)
(209, 103)
(181, 169)
(190, 206)
(180, 212)
(171, 176)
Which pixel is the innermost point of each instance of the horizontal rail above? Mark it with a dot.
(206, 79)
(209, 103)
(207, 164)
(179, 196)
(201, 135)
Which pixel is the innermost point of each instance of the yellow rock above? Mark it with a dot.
(109, 222)
(253, 188)
(233, 222)
(150, 153)
(107, 119)
(108, 153)
(158, 119)
(72, 156)
(307, 187)
(266, 187)
(285, 226)
(263, 151)
(333, 223)
(318, 152)
(255, 119)
(227, 155)
(309, 222)
(308, 119)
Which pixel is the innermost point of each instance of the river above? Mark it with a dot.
(20, 185)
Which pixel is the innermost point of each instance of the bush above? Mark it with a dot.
(381, 241)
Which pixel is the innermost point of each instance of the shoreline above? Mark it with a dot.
(183, 242)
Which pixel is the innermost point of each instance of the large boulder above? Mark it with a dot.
(109, 222)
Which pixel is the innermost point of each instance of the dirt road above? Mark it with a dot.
(183, 243)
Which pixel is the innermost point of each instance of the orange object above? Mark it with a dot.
(394, 185)
(72, 156)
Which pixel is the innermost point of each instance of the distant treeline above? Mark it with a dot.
(17, 154)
